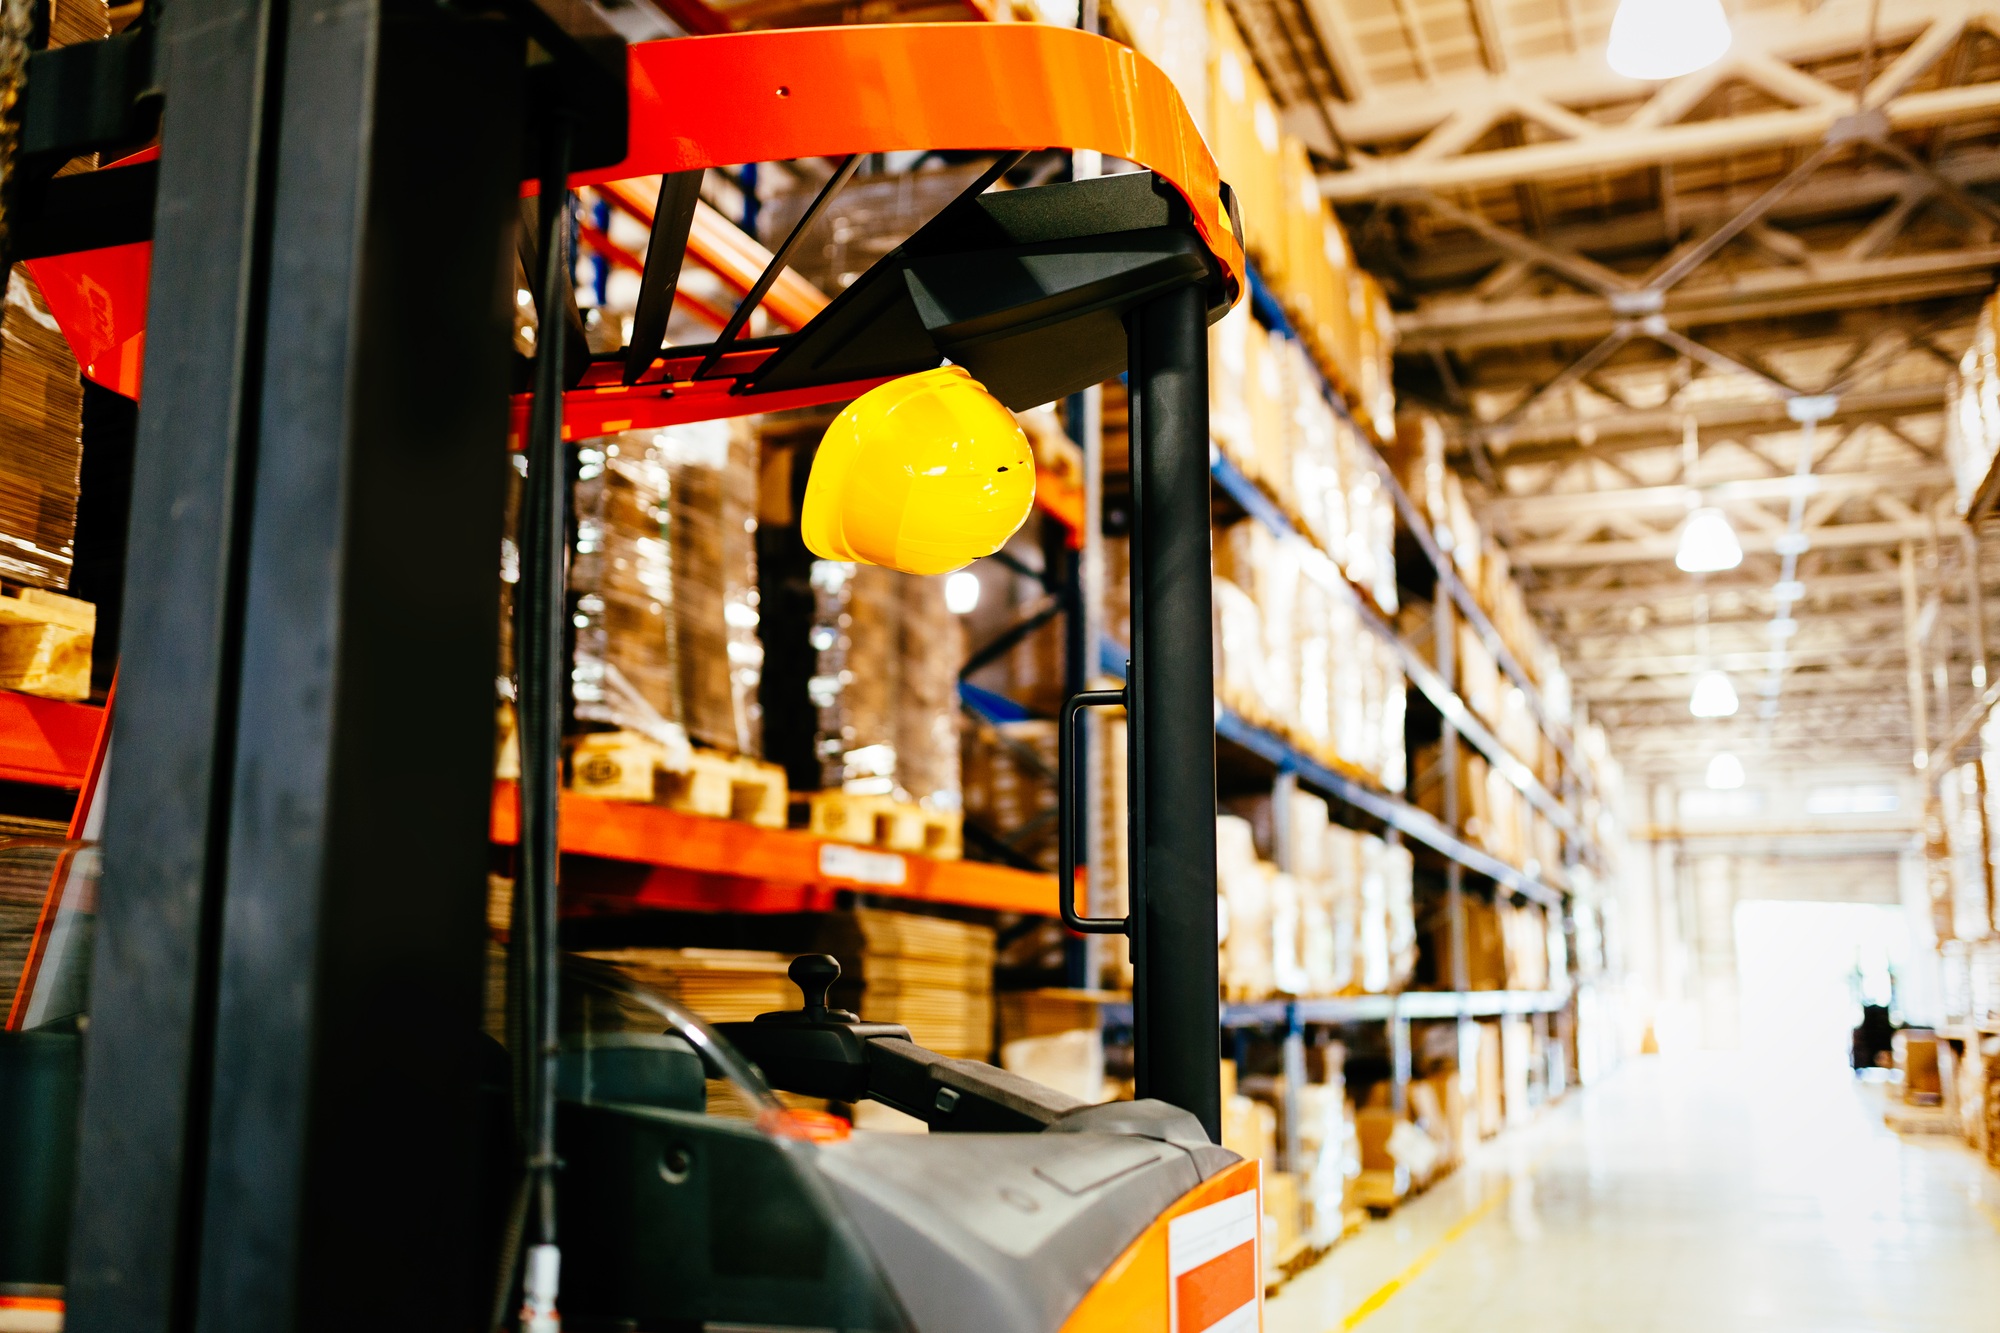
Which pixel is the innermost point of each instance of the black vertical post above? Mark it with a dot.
(1177, 1005)
(342, 1182)
(281, 1127)
(142, 1118)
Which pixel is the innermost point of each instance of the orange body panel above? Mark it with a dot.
(1132, 1296)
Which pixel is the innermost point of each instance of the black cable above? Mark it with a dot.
(539, 603)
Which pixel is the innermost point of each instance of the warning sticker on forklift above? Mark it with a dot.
(1212, 1284)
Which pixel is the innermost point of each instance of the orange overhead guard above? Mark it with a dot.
(722, 100)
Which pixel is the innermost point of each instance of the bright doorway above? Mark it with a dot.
(1804, 969)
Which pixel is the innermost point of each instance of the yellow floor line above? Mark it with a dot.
(1388, 1289)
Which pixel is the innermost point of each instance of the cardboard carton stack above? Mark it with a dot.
(1493, 813)
(665, 583)
(714, 467)
(886, 684)
(718, 985)
(1270, 415)
(29, 855)
(1418, 459)
(1306, 1207)
(1009, 773)
(1054, 1038)
(1340, 923)
(41, 441)
(1291, 232)
(1293, 657)
(1967, 881)
(931, 974)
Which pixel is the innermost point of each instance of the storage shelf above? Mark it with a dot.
(1373, 1008)
(1249, 496)
(1392, 810)
(1272, 315)
(46, 742)
(624, 855)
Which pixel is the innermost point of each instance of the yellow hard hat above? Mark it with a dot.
(925, 474)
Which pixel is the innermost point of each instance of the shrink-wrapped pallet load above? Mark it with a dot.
(886, 688)
(41, 441)
(625, 673)
(665, 586)
(715, 466)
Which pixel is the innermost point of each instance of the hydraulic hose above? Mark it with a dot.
(539, 663)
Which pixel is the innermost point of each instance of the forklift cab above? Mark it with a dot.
(1022, 1209)
(259, 1123)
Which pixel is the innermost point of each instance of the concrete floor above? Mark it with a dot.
(1681, 1195)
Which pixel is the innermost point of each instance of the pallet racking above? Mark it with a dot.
(46, 742)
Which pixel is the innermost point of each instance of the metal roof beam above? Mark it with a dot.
(1539, 510)
(1555, 441)
(1404, 113)
(1831, 283)
(1662, 548)
(1651, 139)
(1461, 258)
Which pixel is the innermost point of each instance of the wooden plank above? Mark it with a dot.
(717, 860)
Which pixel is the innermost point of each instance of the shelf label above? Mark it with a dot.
(1213, 1283)
(837, 860)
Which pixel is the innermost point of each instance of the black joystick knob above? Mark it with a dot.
(814, 975)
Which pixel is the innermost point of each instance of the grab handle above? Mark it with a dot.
(1067, 803)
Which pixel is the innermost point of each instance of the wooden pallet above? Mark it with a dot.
(45, 641)
(1297, 1257)
(880, 821)
(625, 766)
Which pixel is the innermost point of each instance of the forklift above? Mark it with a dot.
(297, 255)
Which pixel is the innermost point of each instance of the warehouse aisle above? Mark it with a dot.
(1682, 1194)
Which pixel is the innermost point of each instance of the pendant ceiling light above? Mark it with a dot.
(1725, 772)
(1714, 695)
(1664, 39)
(1708, 544)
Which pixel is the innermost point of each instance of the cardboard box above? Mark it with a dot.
(1517, 1058)
(1282, 1215)
(1489, 1097)
(1917, 1057)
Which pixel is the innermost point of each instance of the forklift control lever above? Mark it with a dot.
(814, 975)
(819, 1051)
